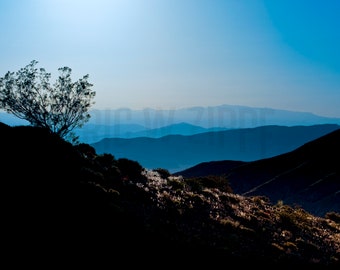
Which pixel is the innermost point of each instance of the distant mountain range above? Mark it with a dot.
(226, 116)
(91, 133)
(156, 123)
(178, 152)
(308, 176)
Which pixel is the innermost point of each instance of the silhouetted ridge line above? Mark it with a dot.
(308, 176)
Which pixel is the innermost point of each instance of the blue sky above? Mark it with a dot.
(168, 54)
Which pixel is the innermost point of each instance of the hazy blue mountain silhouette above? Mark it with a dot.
(93, 133)
(155, 123)
(178, 152)
(226, 116)
(189, 121)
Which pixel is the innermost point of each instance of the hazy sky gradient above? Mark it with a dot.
(168, 54)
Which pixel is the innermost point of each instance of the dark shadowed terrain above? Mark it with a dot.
(65, 204)
(308, 176)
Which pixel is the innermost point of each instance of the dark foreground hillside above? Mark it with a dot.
(64, 205)
(308, 176)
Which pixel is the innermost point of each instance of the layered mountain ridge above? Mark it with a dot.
(308, 176)
(179, 152)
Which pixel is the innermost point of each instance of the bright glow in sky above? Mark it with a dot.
(168, 54)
